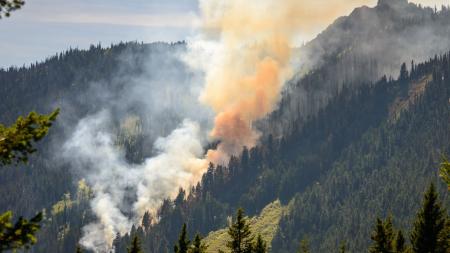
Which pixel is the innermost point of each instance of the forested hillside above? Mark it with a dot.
(356, 50)
(80, 82)
(370, 152)
(357, 135)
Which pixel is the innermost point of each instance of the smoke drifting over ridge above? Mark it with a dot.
(248, 45)
(252, 62)
(157, 100)
(113, 179)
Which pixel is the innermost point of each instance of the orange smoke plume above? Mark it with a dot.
(252, 62)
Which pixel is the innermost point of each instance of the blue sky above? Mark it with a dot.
(45, 27)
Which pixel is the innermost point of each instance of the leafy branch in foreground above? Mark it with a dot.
(7, 6)
(16, 141)
(18, 235)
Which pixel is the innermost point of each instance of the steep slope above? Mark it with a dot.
(343, 168)
(384, 171)
(81, 82)
(335, 132)
(357, 50)
(265, 224)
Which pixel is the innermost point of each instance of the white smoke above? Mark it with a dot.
(113, 179)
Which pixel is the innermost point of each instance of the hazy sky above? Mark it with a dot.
(45, 27)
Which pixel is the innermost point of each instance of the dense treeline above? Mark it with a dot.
(352, 150)
(365, 155)
(369, 145)
(356, 50)
(66, 81)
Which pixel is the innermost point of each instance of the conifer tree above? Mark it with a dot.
(241, 237)
(400, 243)
(78, 250)
(444, 238)
(444, 172)
(343, 247)
(260, 245)
(146, 221)
(429, 224)
(7, 6)
(382, 237)
(183, 241)
(18, 235)
(16, 144)
(197, 245)
(16, 141)
(135, 245)
(304, 246)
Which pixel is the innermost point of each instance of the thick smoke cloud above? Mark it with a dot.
(148, 101)
(113, 179)
(248, 70)
(245, 53)
(356, 50)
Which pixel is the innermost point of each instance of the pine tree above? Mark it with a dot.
(18, 235)
(197, 245)
(146, 221)
(382, 237)
(400, 243)
(429, 224)
(135, 246)
(304, 246)
(16, 141)
(444, 172)
(403, 73)
(16, 144)
(260, 245)
(183, 241)
(241, 237)
(7, 6)
(444, 238)
(343, 247)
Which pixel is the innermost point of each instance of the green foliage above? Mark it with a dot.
(146, 220)
(381, 171)
(444, 238)
(135, 246)
(78, 249)
(7, 6)
(260, 245)
(343, 247)
(241, 236)
(265, 224)
(382, 237)
(18, 235)
(183, 241)
(444, 172)
(429, 224)
(304, 246)
(16, 141)
(197, 245)
(400, 243)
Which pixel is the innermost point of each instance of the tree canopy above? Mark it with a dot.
(17, 141)
(7, 6)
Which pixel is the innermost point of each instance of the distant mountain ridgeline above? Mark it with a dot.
(370, 152)
(359, 49)
(346, 144)
(146, 87)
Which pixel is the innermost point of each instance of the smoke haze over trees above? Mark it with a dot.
(358, 133)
